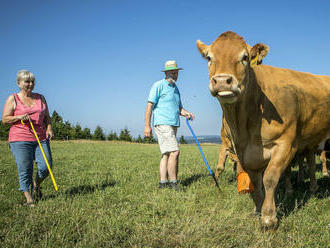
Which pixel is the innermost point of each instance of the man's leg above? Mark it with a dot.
(163, 167)
(170, 150)
(163, 183)
(173, 165)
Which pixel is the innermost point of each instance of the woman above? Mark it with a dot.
(27, 106)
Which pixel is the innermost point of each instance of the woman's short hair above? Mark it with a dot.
(24, 75)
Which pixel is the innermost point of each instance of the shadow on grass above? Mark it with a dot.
(187, 181)
(301, 194)
(82, 189)
(88, 189)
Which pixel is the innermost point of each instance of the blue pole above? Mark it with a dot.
(200, 149)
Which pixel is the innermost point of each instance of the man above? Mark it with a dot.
(164, 100)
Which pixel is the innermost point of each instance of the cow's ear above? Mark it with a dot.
(257, 53)
(203, 48)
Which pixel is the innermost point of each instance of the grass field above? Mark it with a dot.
(108, 197)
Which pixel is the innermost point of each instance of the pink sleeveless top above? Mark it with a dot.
(20, 132)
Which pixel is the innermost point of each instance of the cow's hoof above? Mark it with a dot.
(269, 222)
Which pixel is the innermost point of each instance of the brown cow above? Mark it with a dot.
(244, 184)
(226, 150)
(299, 158)
(271, 112)
(310, 158)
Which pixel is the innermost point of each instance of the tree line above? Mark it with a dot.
(64, 130)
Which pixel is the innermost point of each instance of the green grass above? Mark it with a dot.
(108, 197)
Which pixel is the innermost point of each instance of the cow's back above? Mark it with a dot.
(298, 97)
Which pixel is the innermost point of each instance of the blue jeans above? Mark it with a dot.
(25, 152)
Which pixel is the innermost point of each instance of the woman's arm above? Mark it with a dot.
(47, 120)
(8, 116)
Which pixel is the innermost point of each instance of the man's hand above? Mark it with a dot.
(147, 131)
(186, 114)
(147, 128)
(189, 115)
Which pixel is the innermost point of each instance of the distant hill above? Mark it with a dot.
(204, 139)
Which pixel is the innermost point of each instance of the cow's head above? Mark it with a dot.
(229, 62)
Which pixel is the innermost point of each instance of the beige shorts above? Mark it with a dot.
(167, 138)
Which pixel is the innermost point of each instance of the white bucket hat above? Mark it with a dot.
(171, 65)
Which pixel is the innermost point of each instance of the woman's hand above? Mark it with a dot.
(25, 117)
(49, 132)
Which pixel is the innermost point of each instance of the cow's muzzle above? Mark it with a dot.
(224, 86)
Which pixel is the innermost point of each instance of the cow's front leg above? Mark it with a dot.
(311, 162)
(221, 160)
(278, 163)
(258, 194)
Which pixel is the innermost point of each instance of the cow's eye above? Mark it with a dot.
(244, 59)
(208, 60)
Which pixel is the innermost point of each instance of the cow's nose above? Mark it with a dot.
(222, 80)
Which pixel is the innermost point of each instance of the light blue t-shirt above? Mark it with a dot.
(167, 103)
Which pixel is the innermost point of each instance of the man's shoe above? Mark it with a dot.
(163, 185)
(173, 185)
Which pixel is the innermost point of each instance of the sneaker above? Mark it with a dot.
(162, 185)
(174, 186)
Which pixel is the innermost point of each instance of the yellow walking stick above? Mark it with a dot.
(43, 153)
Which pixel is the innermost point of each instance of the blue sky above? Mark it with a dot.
(95, 61)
